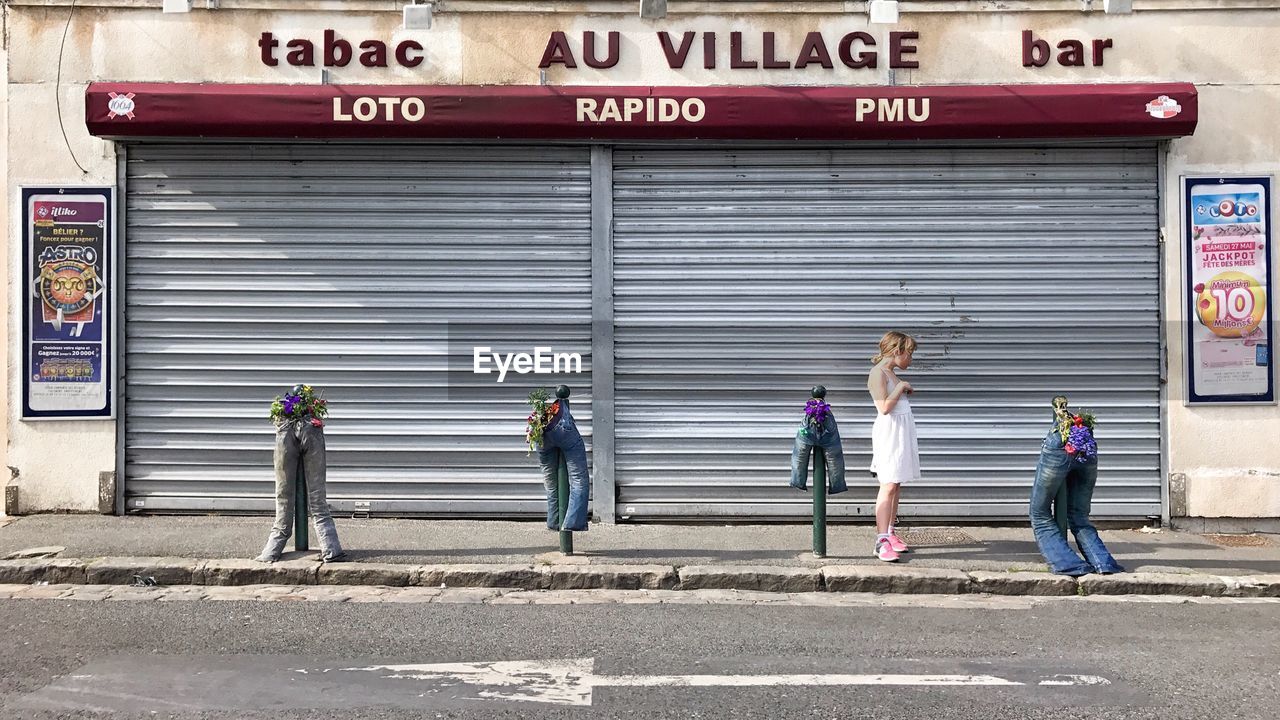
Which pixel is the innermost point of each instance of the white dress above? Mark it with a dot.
(895, 452)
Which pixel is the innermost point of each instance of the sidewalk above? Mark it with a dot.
(405, 551)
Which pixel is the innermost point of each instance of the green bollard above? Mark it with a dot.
(562, 488)
(819, 503)
(819, 492)
(301, 542)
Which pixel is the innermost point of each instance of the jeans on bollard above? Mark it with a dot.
(295, 440)
(1054, 470)
(562, 436)
(828, 438)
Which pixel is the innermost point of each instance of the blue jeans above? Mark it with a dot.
(1054, 469)
(826, 437)
(562, 436)
(296, 440)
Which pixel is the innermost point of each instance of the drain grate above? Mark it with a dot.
(936, 537)
(1238, 540)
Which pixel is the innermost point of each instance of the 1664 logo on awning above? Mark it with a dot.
(120, 105)
(1163, 108)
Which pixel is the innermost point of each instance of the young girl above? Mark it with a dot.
(895, 453)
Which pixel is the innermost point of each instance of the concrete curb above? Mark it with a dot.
(893, 579)
(1252, 586)
(518, 577)
(613, 577)
(54, 571)
(1023, 583)
(896, 579)
(239, 571)
(121, 570)
(1154, 583)
(761, 579)
(365, 574)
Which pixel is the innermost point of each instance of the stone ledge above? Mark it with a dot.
(1021, 583)
(346, 573)
(173, 571)
(763, 579)
(612, 577)
(1139, 583)
(1267, 586)
(239, 571)
(120, 570)
(887, 579)
(55, 571)
(520, 577)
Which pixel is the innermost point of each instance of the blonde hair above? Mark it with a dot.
(894, 343)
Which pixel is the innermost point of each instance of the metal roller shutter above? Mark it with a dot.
(743, 277)
(350, 267)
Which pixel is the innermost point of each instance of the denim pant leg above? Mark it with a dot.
(563, 437)
(314, 466)
(1080, 484)
(286, 455)
(1051, 473)
(549, 462)
(834, 453)
(575, 455)
(800, 452)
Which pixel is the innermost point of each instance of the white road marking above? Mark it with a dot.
(1075, 680)
(560, 682)
(571, 681)
(767, 680)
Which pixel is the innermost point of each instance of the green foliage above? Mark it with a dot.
(300, 403)
(542, 410)
(1064, 418)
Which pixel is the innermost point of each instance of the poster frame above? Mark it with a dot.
(107, 194)
(1194, 397)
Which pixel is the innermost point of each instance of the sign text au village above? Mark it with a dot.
(856, 50)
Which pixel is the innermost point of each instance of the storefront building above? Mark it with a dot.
(688, 218)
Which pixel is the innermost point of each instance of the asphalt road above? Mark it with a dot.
(1065, 658)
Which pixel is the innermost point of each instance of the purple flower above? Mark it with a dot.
(816, 412)
(1081, 438)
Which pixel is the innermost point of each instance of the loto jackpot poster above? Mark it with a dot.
(1228, 289)
(68, 235)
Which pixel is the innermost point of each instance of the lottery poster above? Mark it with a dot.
(1228, 289)
(67, 264)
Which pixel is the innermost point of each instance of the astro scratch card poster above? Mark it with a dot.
(68, 242)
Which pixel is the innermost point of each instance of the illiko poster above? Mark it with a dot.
(66, 303)
(1228, 295)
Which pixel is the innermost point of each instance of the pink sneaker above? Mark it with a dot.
(885, 552)
(896, 543)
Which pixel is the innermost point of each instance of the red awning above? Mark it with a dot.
(539, 112)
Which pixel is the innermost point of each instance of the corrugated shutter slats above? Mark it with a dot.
(744, 276)
(351, 267)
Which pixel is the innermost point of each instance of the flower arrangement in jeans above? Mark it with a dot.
(300, 403)
(816, 412)
(1076, 431)
(540, 416)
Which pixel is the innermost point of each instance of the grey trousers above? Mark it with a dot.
(294, 440)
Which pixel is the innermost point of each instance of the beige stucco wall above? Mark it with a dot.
(4, 283)
(1230, 455)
